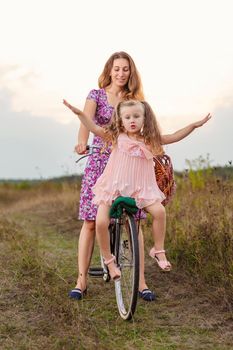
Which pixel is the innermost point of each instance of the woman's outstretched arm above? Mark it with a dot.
(182, 133)
(96, 129)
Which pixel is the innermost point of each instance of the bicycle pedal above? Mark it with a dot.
(96, 271)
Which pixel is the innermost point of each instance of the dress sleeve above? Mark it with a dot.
(93, 95)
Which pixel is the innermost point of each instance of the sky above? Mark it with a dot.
(52, 50)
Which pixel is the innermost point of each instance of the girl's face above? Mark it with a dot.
(120, 72)
(132, 118)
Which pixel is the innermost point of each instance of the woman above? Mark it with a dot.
(119, 81)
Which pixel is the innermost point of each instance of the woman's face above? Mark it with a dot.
(120, 72)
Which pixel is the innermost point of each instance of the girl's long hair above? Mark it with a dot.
(133, 89)
(150, 133)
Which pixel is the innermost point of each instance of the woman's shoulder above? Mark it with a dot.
(98, 95)
(95, 94)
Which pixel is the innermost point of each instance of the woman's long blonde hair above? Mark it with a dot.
(133, 89)
(150, 133)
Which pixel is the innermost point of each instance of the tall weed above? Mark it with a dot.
(199, 226)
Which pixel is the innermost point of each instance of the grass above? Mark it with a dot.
(38, 244)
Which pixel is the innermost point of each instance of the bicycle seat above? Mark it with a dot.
(121, 203)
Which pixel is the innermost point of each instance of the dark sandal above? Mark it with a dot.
(147, 295)
(77, 294)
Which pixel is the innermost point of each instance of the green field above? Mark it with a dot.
(38, 244)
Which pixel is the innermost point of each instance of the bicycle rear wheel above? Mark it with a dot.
(127, 257)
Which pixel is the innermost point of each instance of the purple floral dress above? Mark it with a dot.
(97, 161)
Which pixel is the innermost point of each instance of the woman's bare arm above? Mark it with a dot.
(83, 136)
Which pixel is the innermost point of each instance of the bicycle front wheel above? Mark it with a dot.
(127, 257)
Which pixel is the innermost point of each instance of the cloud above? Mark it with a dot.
(214, 138)
(28, 94)
(33, 147)
(12, 75)
(5, 69)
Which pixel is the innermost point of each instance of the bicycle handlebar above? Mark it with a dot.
(91, 150)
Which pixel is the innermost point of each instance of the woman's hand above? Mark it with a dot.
(72, 108)
(81, 148)
(202, 121)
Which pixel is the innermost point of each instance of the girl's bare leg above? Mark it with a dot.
(85, 250)
(102, 223)
(158, 213)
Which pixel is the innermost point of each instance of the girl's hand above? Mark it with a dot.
(88, 122)
(72, 108)
(202, 121)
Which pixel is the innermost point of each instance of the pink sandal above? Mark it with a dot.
(116, 273)
(163, 264)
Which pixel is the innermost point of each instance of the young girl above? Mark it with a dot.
(135, 137)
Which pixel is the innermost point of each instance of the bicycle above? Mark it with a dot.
(123, 233)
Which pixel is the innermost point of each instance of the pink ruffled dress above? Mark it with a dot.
(129, 173)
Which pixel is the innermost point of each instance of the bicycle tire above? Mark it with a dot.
(127, 258)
